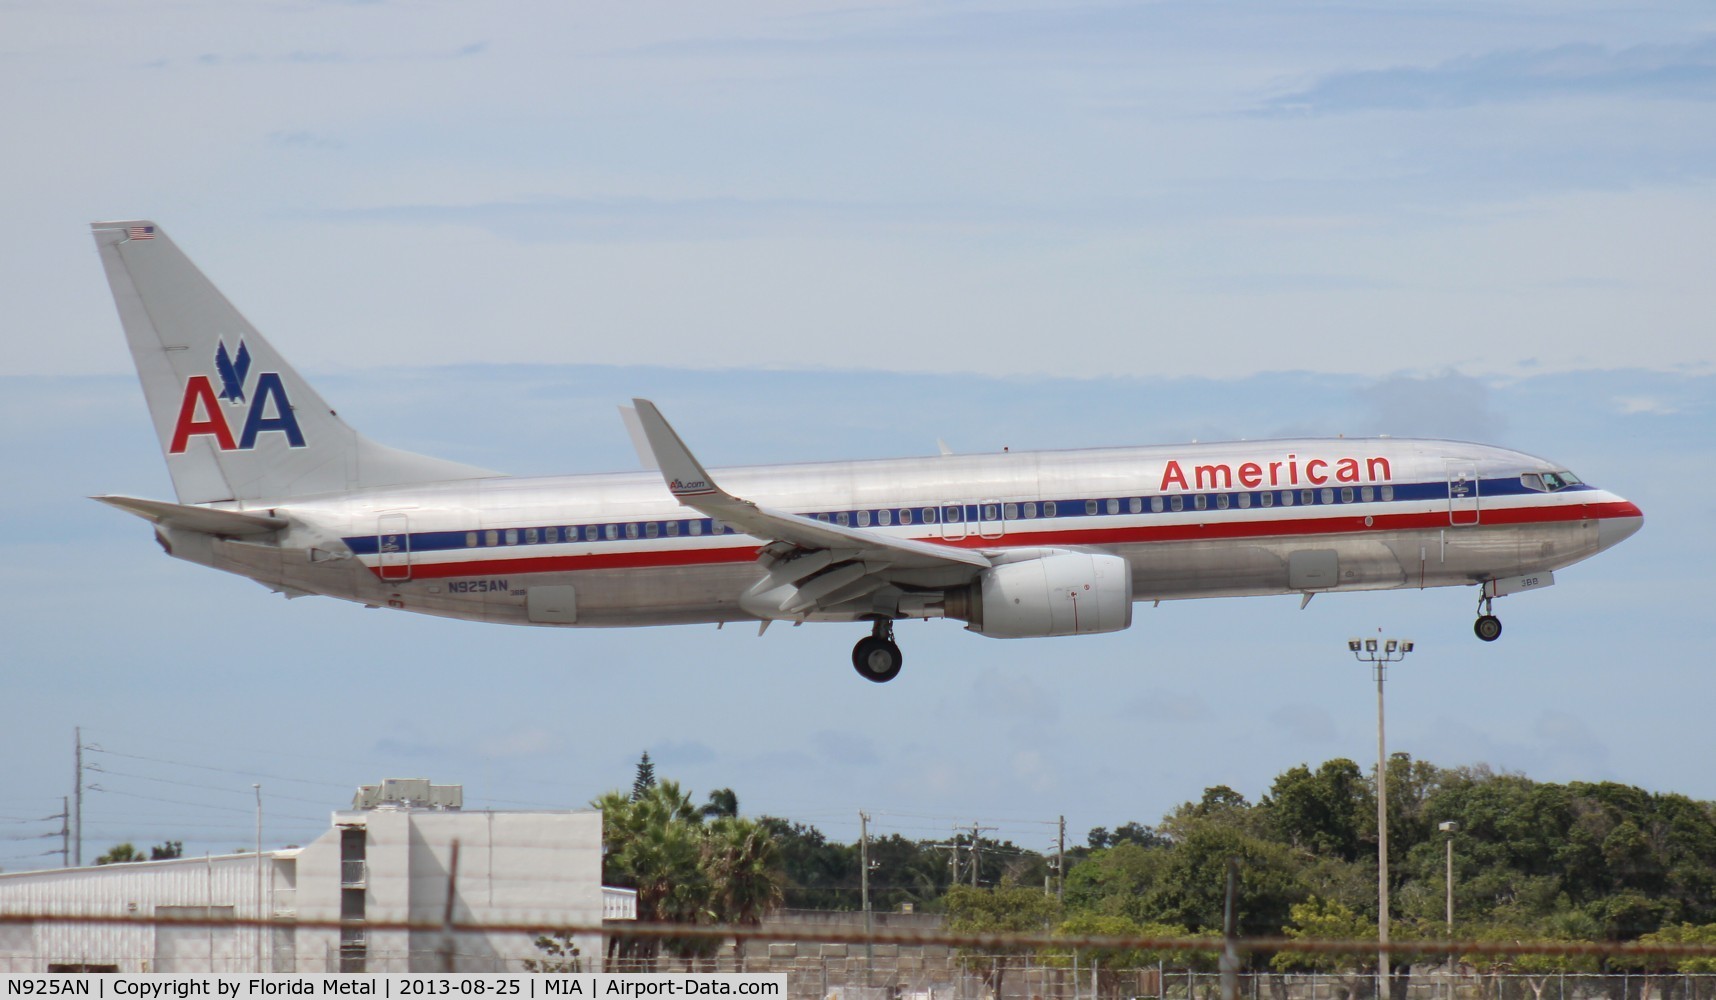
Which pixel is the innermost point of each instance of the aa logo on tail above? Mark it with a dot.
(201, 412)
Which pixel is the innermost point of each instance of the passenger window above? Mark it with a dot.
(491, 537)
(631, 529)
(1049, 508)
(1221, 501)
(610, 531)
(1155, 505)
(1090, 506)
(1177, 503)
(884, 517)
(1367, 493)
(1308, 497)
(841, 518)
(1244, 500)
(954, 515)
(1346, 494)
(1286, 498)
(530, 536)
(863, 519)
(1200, 502)
(1135, 505)
(716, 527)
(1388, 493)
(1268, 499)
(991, 512)
(1011, 512)
(1113, 506)
(929, 515)
(695, 527)
(905, 515)
(1328, 495)
(512, 536)
(1030, 510)
(470, 539)
(673, 529)
(823, 518)
(652, 529)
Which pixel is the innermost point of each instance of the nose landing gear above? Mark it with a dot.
(1488, 627)
(877, 657)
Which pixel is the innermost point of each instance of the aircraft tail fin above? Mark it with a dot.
(235, 421)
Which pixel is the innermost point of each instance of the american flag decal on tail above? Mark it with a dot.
(140, 233)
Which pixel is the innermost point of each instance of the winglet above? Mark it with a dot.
(684, 475)
(640, 444)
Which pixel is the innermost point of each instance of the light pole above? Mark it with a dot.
(1392, 651)
(1448, 829)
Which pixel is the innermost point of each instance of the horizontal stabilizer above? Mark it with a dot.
(208, 520)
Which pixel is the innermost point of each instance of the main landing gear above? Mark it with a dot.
(877, 657)
(1488, 626)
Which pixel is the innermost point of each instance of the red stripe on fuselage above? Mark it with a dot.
(1129, 535)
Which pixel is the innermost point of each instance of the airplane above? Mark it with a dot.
(271, 484)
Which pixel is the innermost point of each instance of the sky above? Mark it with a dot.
(817, 231)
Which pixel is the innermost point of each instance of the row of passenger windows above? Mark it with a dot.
(953, 514)
(595, 532)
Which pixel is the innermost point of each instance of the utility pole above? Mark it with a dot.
(977, 851)
(261, 912)
(1061, 864)
(65, 831)
(864, 889)
(77, 792)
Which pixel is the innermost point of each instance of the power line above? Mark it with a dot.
(210, 767)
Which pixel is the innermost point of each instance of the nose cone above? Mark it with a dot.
(1619, 526)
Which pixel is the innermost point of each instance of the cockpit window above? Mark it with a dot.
(1549, 482)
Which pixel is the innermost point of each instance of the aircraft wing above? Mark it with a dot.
(695, 487)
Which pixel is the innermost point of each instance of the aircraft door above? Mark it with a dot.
(1464, 501)
(990, 520)
(393, 546)
(954, 526)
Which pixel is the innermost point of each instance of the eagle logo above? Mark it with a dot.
(232, 371)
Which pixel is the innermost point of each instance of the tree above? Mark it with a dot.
(645, 779)
(1324, 811)
(562, 955)
(722, 802)
(685, 871)
(1004, 909)
(1321, 919)
(120, 854)
(818, 875)
(742, 863)
(652, 843)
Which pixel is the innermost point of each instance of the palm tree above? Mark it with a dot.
(653, 843)
(723, 802)
(746, 878)
(685, 870)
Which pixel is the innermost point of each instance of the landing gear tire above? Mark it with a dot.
(1487, 628)
(876, 657)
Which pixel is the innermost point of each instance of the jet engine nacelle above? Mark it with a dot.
(1061, 593)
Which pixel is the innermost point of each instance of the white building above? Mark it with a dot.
(393, 863)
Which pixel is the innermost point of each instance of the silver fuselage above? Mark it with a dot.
(1199, 520)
